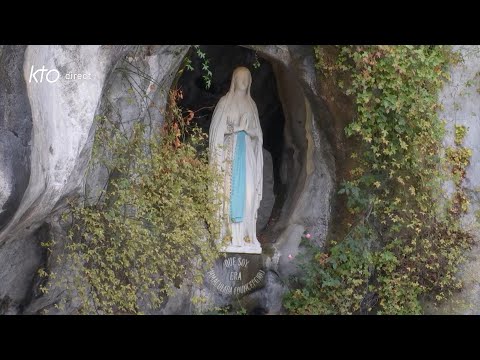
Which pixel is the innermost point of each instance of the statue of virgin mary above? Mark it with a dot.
(235, 144)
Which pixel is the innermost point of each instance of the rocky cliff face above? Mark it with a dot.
(46, 133)
(15, 130)
(57, 119)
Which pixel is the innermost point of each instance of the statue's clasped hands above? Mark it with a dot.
(240, 125)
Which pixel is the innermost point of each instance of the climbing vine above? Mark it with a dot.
(458, 158)
(205, 65)
(153, 227)
(256, 63)
(404, 245)
(207, 73)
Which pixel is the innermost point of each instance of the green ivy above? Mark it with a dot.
(404, 246)
(207, 73)
(458, 158)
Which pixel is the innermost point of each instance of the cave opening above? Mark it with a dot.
(222, 60)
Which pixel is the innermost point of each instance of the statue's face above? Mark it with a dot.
(241, 80)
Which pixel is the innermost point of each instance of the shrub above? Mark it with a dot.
(155, 225)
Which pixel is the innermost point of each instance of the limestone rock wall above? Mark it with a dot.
(55, 119)
(47, 129)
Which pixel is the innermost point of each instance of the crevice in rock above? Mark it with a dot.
(196, 97)
(15, 132)
(298, 147)
(41, 235)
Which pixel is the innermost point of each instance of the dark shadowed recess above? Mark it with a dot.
(15, 131)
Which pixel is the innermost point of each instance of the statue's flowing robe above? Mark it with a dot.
(222, 145)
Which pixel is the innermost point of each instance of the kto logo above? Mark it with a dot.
(51, 76)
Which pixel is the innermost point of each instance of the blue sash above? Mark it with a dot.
(237, 198)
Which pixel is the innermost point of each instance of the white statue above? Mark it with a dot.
(235, 144)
